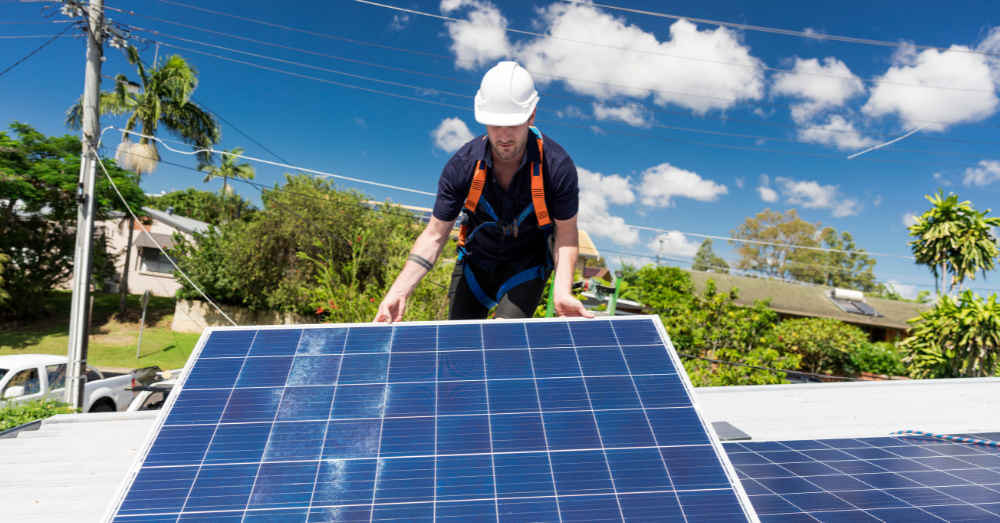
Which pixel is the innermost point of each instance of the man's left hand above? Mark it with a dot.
(568, 305)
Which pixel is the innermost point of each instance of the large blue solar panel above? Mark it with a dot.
(889, 479)
(500, 421)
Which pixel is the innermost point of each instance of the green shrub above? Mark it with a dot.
(702, 373)
(959, 337)
(876, 358)
(14, 415)
(825, 345)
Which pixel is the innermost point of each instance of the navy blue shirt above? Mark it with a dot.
(490, 246)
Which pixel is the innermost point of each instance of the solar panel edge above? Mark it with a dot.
(734, 481)
(147, 444)
(138, 463)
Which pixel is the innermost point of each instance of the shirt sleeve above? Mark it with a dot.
(563, 193)
(452, 190)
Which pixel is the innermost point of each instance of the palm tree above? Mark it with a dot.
(953, 237)
(165, 100)
(228, 169)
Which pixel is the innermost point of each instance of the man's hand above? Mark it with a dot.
(567, 305)
(391, 309)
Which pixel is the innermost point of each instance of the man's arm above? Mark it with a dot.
(567, 250)
(422, 257)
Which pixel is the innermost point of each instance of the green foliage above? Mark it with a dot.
(824, 344)
(876, 358)
(957, 338)
(664, 289)
(630, 282)
(229, 169)
(165, 100)
(38, 183)
(953, 237)
(781, 259)
(706, 259)
(16, 414)
(207, 206)
(707, 374)
(4, 296)
(276, 261)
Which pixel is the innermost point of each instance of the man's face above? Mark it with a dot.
(508, 142)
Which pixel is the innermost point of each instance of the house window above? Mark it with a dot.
(155, 261)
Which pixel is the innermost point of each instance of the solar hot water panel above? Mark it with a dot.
(500, 421)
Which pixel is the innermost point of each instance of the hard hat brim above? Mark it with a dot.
(504, 119)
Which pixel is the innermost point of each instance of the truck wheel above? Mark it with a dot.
(102, 406)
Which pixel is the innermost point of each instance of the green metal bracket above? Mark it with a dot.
(613, 302)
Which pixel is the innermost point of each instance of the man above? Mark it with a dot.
(518, 192)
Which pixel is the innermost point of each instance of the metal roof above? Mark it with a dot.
(807, 300)
(178, 222)
(70, 468)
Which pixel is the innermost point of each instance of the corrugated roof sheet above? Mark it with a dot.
(806, 300)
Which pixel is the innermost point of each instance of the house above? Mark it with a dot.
(883, 320)
(149, 269)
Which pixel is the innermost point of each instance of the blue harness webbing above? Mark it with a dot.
(538, 271)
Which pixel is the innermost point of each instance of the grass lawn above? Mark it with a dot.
(113, 337)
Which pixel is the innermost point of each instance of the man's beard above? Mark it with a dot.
(512, 155)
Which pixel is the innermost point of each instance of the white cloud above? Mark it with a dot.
(632, 114)
(812, 195)
(836, 131)
(969, 80)
(909, 219)
(476, 43)
(674, 244)
(597, 191)
(740, 182)
(819, 90)
(878, 200)
(907, 291)
(399, 22)
(451, 135)
(766, 192)
(987, 173)
(664, 181)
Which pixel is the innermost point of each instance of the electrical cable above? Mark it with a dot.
(153, 240)
(538, 73)
(590, 128)
(946, 437)
(54, 38)
(41, 22)
(757, 67)
(788, 32)
(609, 104)
(60, 35)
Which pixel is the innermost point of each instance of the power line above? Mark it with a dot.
(54, 38)
(812, 35)
(538, 73)
(60, 35)
(637, 135)
(758, 67)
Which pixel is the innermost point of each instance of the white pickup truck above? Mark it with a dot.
(26, 377)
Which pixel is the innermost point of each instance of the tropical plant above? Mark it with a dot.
(954, 238)
(207, 206)
(824, 344)
(706, 259)
(165, 100)
(228, 168)
(958, 337)
(876, 358)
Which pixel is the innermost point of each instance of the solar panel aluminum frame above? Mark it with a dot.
(716, 443)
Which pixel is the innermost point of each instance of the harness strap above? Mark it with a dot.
(526, 275)
(476, 191)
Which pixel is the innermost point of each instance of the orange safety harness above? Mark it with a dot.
(475, 200)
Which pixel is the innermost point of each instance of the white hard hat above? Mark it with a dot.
(506, 97)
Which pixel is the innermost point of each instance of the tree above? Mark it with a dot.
(845, 270)
(599, 262)
(706, 259)
(38, 210)
(953, 237)
(825, 345)
(4, 295)
(228, 169)
(956, 338)
(165, 100)
(779, 234)
(207, 206)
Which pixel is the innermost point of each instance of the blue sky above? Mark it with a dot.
(637, 180)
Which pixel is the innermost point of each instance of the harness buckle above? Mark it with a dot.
(510, 229)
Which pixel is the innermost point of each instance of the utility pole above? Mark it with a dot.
(79, 319)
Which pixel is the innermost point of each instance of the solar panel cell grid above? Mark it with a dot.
(497, 421)
(872, 479)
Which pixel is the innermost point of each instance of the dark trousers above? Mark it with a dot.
(519, 302)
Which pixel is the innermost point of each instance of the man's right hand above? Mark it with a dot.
(391, 309)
